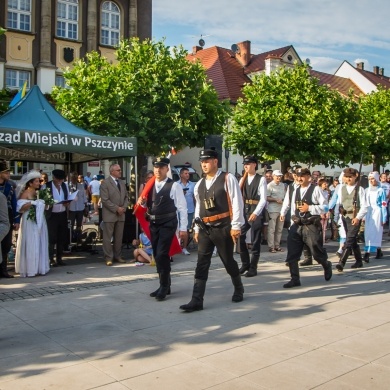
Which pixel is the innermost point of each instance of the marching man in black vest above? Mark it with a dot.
(163, 202)
(254, 192)
(219, 218)
(350, 201)
(57, 217)
(307, 204)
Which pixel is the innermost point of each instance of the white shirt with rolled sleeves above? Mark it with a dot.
(233, 189)
(337, 200)
(180, 201)
(261, 191)
(319, 207)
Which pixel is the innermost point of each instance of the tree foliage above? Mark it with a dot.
(291, 117)
(152, 93)
(375, 120)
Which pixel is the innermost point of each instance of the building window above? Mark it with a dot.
(67, 18)
(19, 15)
(18, 168)
(110, 24)
(14, 79)
(60, 81)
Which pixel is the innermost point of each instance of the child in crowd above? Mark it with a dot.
(143, 254)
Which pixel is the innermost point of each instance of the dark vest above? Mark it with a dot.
(218, 194)
(251, 192)
(9, 193)
(307, 198)
(64, 188)
(161, 203)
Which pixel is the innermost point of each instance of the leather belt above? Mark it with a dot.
(251, 201)
(214, 218)
(349, 212)
(154, 217)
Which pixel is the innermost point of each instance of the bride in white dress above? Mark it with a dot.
(32, 250)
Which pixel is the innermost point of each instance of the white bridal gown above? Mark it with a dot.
(32, 250)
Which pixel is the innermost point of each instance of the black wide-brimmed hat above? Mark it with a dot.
(59, 174)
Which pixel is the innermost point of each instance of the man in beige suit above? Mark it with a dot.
(114, 199)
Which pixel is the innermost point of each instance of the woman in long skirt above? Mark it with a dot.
(375, 218)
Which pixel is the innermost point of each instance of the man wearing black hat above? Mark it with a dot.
(57, 217)
(307, 204)
(350, 200)
(219, 217)
(163, 202)
(8, 190)
(254, 192)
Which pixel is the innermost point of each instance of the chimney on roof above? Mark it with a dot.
(376, 69)
(360, 65)
(195, 49)
(381, 71)
(244, 53)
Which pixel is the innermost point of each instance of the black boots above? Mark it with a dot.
(379, 253)
(165, 285)
(196, 302)
(238, 294)
(367, 257)
(294, 272)
(343, 259)
(358, 257)
(154, 293)
(328, 271)
(245, 263)
(4, 269)
(253, 267)
(308, 257)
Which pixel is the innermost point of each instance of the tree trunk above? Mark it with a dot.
(376, 166)
(284, 164)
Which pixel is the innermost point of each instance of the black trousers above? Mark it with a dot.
(76, 216)
(57, 226)
(311, 235)
(221, 238)
(352, 233)
(161, 239)
(6, 245)
(256, 226)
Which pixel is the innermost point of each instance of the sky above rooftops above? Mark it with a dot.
(325, 31)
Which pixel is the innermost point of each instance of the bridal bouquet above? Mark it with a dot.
(42, 195)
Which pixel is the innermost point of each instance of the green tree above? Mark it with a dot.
(152, 93)
(291, 117)
(375, 119)
(2, 31)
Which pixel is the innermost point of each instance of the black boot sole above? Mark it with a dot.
(154, 293)
(291, 284)
(339, 268)
(242, 270)
(190, 309)
(357, 265)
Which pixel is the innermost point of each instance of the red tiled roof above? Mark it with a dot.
(223, 70)
(341, 84)
(375, 78)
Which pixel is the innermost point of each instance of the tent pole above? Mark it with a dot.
(135, 159)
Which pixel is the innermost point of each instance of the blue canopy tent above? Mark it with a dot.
(34, 131)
